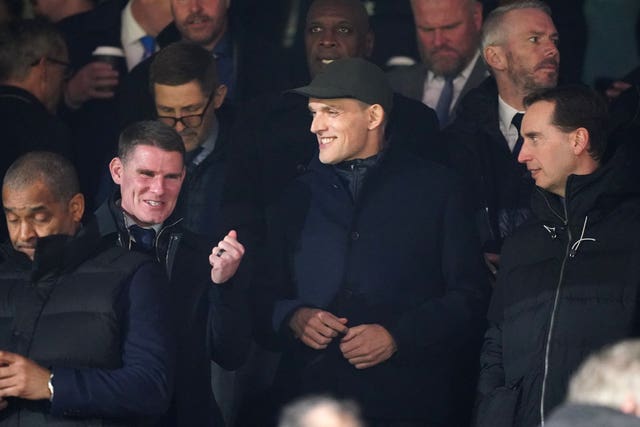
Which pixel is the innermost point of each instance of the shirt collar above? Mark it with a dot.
(131, 30)
(209, 144)
(129, 221)
(506, 113)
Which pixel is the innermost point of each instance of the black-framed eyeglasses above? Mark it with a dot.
(68, 71)
(190, 121)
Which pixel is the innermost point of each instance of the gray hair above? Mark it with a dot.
(23, 43)
(493, 31)
(52, 169)
(609, 376)
(295, 414)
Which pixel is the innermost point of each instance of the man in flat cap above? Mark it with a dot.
(375, 280)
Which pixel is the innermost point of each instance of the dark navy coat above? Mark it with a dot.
(403, 255)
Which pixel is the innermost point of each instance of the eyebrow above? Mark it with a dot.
(532, 134)
(34, 209)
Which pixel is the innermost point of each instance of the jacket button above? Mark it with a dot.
(300, 168)
(355, 235)
(16, 333)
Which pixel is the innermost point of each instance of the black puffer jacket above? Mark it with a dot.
(568, 285)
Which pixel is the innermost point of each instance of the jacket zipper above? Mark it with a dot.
(553, 312)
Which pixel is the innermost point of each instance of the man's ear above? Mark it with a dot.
(219, 96)
(376, 116)
(116, 168)
(76, 207)
(580, 141)
(495, 57)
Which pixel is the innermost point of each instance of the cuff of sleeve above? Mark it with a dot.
(60, 405)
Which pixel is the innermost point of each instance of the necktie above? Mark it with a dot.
(149, 46)
(444, 102)
(144, 237)
(517, 122)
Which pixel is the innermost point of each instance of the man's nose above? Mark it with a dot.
(438, 37)
(27, 231)
(524, 156)
(317, 124)
(195, 5)
(157, 185)
(328, 39)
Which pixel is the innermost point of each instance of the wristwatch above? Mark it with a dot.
(50, 387)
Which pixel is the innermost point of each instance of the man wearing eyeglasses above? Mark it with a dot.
(186, 92)
(33, 65)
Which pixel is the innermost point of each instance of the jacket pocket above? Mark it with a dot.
(498, 408)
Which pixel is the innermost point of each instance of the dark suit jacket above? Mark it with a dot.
(409, 81)
(499, 186)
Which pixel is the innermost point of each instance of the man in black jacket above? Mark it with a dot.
(569, 280)
(211, 320)
(84, 328)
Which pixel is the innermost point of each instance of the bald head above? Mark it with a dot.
(336, 29)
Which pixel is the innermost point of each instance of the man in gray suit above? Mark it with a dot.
(448, 33)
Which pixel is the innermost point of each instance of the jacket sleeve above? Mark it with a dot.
(142, 385)
(491, 369)
(229, 328)
(455, 319)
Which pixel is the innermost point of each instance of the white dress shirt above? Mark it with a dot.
(433, 84)
(506, 113)
(130, 34)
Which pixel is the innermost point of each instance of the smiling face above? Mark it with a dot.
(448, 33)
(531, 50)
(547, 151)
(33, 212)
(334, 30)
(150, 179)
(342, 127)
(200, 21)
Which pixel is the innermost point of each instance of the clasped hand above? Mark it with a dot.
(363, 346)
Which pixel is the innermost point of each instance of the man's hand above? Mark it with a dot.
(225, 258)
(317, 328)
(492, 262)
(365, 346)
(22, 377)
(96, 80)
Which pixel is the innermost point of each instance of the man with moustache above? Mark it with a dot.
(519, 44)
(448, 33)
